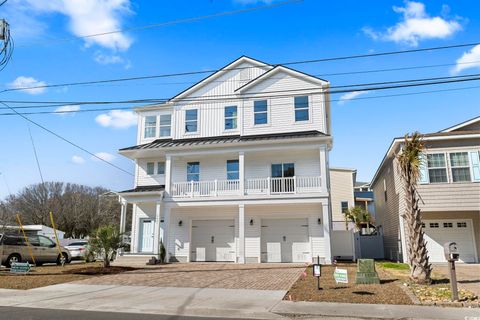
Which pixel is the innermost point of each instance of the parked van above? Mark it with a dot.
(13, 248)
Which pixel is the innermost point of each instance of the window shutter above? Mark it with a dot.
(423, 169)
(475, 160)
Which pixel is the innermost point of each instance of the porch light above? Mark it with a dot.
(319, 221)
(251, 222)
(180, 223)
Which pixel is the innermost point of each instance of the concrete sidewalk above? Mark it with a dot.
(211, 302)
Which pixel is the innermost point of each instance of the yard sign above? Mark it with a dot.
(20, 267)
(340, 275)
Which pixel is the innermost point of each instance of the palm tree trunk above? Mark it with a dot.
(421, 269)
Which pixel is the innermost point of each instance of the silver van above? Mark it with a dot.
(13, 248)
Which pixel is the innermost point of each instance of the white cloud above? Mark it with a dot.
(350, 95)
(105, 59)
(469, 59)
(27, 82)
(85, 17)
(104, 155)
(117, 119)
(416, 25)
(64, 110)
(78, 160)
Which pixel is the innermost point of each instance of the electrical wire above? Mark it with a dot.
(66, 140)
(188, 73)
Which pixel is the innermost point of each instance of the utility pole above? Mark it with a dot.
(6, 44)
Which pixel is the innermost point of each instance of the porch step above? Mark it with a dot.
(132, 260)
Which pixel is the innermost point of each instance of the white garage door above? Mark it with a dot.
(285, 240)
(438, 232)
(213, 240)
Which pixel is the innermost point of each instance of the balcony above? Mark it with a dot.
(257, 186)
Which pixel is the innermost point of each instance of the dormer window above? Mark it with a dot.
(150, 126)
(191, 120)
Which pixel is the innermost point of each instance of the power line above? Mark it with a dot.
(268, 94)
(167, 23)
(36, 155)
(188, 73)
(273, 104)
(65, 139)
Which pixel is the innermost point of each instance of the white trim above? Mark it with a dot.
(461, 125)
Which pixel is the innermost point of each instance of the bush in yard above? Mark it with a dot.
(163, 252)
(104, 242)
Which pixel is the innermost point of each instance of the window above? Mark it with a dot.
(45, 242)
(150, 126)
(448, 225)
(461, 224)
(385, 190)
(232, 170)
(150, 168)
(230, 117)
(161, 167)
(434, 225)
(193, 171)
(165, 125)
(460, 166)
(301, 108)
(437, 169)
(344, 206)
(191, 120)
(260, 112)
(423, 225)
(283, 170)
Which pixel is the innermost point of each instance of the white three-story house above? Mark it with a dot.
(235, 168)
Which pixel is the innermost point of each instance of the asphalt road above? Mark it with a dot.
(13, 313)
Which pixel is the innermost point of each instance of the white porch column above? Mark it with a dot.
(166, 232)
(324, 172)
(326, 232)
(123, 216)
(241, 233)
(156, 237)
(168, 174)
(241, 172)
(133, 239)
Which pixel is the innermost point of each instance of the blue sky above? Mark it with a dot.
(363, 129)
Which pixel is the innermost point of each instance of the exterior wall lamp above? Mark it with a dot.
(251, 222)
(319, 221)
(180, 223)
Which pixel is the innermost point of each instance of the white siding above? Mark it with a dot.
(143, 179)
(341, 186)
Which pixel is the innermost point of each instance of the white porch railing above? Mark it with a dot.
(256, 186)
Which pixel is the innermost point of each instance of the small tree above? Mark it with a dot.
(104, 242)
(163, 252)
(359, 216)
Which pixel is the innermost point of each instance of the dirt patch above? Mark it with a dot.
(93, 270)
(388, 292)
(50, 275)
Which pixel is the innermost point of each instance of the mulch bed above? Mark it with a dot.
(91, 271)
(388, 292)
(51, 275)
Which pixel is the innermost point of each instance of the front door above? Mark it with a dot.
(147, 230)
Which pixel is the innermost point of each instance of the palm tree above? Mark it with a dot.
(104, 242)
(409, 161)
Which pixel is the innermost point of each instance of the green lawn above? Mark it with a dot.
(394, 265)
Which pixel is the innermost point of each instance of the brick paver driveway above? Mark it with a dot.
(468, 275)
(208, 275)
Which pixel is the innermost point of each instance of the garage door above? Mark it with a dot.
(213, 240)
(438, 232)
(285, 240)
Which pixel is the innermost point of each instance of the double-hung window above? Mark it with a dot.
(233, 172)
(301, 108)
(193, 171)
(230, 117)
(165, 125)
(437, 168)
(344, 206)
(150, 126)
(191, 120)
(161, 167)
(150, 168)
(260, 112)
(460, 166)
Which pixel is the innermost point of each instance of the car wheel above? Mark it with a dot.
(15, 257)
(62, 259)
(90, 258)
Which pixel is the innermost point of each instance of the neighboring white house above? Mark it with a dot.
(235, 168)
(449, 190)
